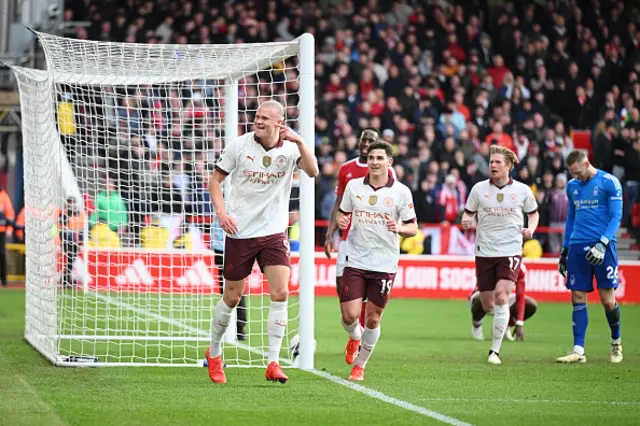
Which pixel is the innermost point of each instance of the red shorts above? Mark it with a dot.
(358, 284)
(490, 270)
(240, 254)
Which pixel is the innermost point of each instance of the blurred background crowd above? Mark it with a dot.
(442, 80)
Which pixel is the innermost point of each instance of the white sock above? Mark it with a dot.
(221, 317)
(354, 330)
(276, 324)
(369, 339)
(500, 323)
(578, 349)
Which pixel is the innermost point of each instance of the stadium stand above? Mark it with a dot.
(442, 80)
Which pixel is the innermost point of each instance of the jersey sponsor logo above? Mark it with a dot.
(500, 211)
(251, 158)
(373, 199)
(266, 161)
(264, 178)
(281, 161)
(388, 202)
(372, 218)
(500, 197)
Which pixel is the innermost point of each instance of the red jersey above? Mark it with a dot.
(353, 169)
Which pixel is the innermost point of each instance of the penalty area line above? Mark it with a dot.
(391, 400)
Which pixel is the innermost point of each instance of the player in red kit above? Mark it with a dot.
(521, 306)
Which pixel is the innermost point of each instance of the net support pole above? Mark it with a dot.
(307, 204)
(230, 134)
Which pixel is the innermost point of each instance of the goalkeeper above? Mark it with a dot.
(589, 249)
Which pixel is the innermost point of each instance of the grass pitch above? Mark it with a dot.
(425, 357)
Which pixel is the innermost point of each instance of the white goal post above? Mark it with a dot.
(123, 248)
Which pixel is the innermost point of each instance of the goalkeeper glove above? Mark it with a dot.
(562, 265)
(595, 254)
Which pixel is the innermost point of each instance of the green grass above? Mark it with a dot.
(425, 356)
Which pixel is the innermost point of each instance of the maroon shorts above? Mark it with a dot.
(240, 254)
(490, 270)
(358, 284)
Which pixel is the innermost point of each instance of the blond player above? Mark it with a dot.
(378, 208)
(499, 203)
(261, 165)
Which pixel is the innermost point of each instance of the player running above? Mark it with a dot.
(261, 165)
(352, 169)
(589, 249)
(521, 308)
(378, 208)
(499, 203)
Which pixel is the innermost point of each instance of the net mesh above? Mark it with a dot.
(123, 247)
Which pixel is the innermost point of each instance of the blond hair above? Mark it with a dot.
(509, 156)
(274, 105)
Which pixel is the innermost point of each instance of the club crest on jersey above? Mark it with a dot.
(373, 199)
(281, 160)
(513, 198)
(266, 161)
(388, 202)
(500, 197)
(595, 191)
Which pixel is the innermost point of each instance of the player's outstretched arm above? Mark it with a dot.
(308, 161)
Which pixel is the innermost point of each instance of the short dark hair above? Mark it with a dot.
(382, 145)
(575, 157)
(370, 129)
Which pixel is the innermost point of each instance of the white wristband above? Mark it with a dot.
(519, 323)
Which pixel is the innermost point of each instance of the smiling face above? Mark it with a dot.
(267, 117)
(366, 139)
(378, 162)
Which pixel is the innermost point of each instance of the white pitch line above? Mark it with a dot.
(391, 400)
(202, 333)
(335, 379)
(531, 401)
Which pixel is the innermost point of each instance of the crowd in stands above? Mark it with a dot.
(442, 80)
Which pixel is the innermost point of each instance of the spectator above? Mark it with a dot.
(110, 208)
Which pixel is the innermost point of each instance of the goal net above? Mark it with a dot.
(124, 251)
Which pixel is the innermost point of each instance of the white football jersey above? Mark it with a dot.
(370, 245)
(260, 185)
(500, 216)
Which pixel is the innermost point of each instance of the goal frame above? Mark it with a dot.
(305, 51)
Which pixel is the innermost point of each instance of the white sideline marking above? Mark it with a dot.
(202, 333)
(391, 400)
(533, 401)
(46, 408)
(353, 386)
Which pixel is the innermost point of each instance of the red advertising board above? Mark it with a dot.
(427, 277)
